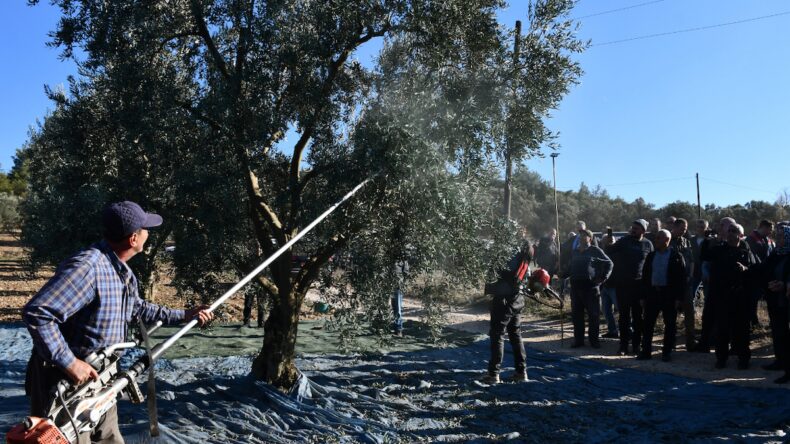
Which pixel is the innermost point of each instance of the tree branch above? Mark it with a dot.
(263, 210)
(309, 130)
(267, 285)
(309, 271)
(216, 126)
(310, 175)
(264, 282)
(202, 30)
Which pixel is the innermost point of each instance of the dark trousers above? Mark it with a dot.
(39, 381)
(630, 314)
(585, 297)
(780, 334)
(250, 299)
(660, 300)
(504, 318)
(732, 324)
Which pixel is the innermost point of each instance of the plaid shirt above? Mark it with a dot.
(86, 306)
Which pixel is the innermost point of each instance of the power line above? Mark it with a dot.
(699, 28)
(677, 179)
(736, 185)
(618, 9)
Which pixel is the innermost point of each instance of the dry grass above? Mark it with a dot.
(18, 284)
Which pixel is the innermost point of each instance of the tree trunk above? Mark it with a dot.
(275, 363)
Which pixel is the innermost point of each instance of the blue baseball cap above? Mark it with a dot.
(121, 219)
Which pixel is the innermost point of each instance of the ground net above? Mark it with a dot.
(427, 394)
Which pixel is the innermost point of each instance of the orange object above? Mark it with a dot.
(35, 431)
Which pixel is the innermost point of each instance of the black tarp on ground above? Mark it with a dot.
(428, 395)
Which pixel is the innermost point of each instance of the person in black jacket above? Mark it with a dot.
(761, 244)
(506, 304)
(707, 335)
(700, 237)
(628, 255)
(729, 289)
(589, 268)
(682, 244)
(664, 282)
(773, 277)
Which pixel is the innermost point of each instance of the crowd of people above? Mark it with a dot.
(654, 269)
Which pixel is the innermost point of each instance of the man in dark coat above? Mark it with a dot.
(664, 281)
(772, 276)
(729, 290)
(589, 268)
(762, 245)
(682, 245)
(708, 334)
(628, 255)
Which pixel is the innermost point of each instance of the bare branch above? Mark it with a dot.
(261, 208)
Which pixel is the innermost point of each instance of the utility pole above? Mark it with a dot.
(556, 207)
(508, 146)
(699, 206)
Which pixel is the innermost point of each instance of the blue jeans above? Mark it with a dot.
(397, 310)
(609, 304)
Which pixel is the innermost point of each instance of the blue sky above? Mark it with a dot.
(647, 116)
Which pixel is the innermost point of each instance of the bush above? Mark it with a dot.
(9, 212)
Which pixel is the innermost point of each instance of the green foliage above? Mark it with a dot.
(15, 182)
(9, 212)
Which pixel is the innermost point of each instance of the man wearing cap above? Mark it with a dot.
(589, 268)
(628, 255)
(85, 307)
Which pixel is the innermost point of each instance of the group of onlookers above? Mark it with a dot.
(654, 270)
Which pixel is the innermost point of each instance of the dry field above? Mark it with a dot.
(18, 283)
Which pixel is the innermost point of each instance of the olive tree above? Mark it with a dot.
(185, 105)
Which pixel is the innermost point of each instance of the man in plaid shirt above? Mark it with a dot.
(86, 307)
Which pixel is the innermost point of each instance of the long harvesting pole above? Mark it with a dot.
(159, 349)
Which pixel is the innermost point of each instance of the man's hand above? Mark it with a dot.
(81, 372)
(607, 240)
(203, 317)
